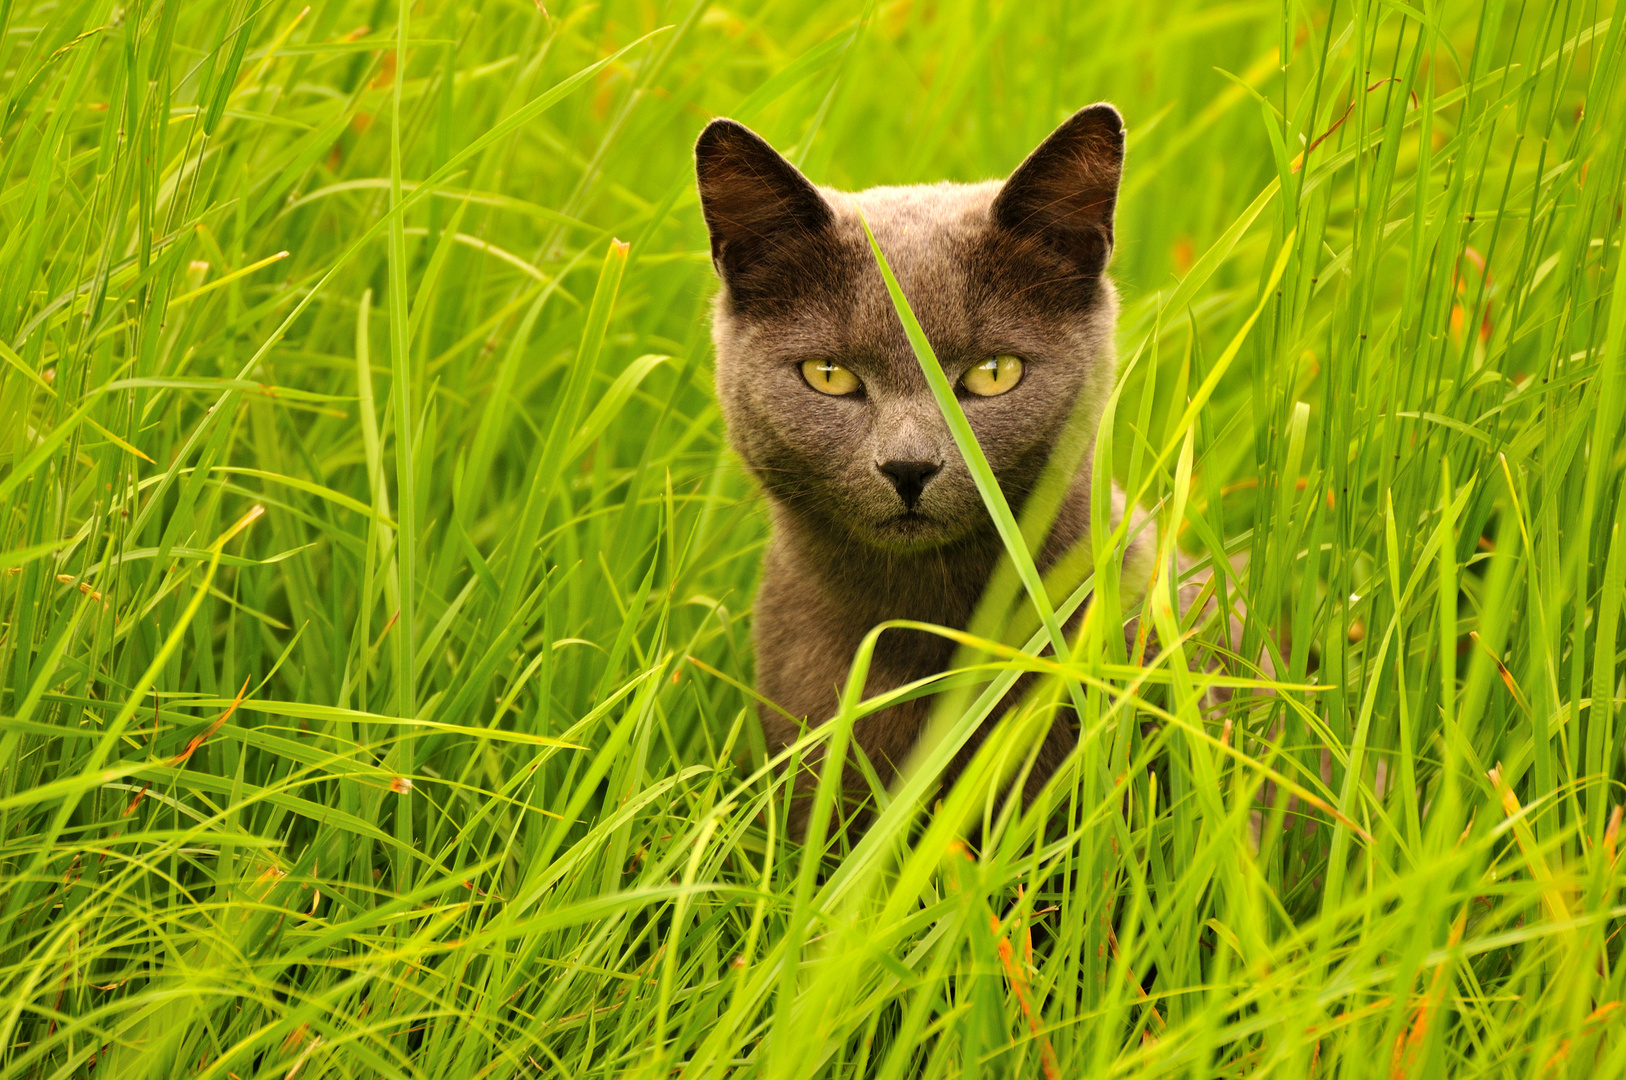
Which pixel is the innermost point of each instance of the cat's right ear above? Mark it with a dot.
(753, 199)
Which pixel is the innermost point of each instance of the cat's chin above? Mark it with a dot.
(910, 532)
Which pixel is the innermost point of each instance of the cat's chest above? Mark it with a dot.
(808, 627)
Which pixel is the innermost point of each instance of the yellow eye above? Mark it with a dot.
(995, 375)
(830, 378)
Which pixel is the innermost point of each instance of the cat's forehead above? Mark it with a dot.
(922, 227)
(939, 241)
(972, 286)
(919, 210)
(928, 233)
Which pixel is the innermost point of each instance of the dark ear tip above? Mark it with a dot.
(722, 132)
(1104, 113)
(720, 128)
(1102, 118)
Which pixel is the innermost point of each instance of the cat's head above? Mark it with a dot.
(823, 396)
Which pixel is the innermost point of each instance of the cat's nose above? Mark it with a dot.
(909, 477)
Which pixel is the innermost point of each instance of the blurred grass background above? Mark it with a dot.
(376, 584)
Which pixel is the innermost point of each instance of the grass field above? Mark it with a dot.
(376, 583)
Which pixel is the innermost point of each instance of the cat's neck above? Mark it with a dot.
(938, 584)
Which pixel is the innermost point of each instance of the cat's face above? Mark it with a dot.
(822, 393)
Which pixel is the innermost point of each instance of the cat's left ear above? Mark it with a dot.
(1064, 194)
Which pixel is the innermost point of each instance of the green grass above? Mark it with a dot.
(376, 583)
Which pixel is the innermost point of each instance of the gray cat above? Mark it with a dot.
(875, 515)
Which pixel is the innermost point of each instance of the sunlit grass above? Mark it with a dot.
(376, 582)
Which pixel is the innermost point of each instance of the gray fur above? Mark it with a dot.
(1012, 266)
